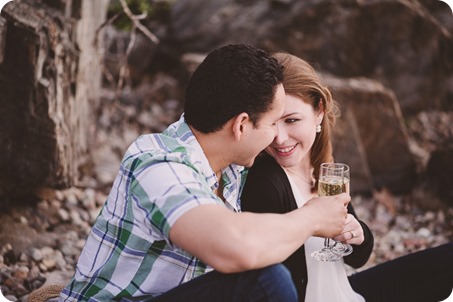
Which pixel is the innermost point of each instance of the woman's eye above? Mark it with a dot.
(291, 120)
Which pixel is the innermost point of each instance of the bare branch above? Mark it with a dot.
(135, 20)
(108, 22)
(124, 67)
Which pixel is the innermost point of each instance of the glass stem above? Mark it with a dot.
(326, 243)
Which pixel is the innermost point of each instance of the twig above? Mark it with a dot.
(108, 22)
(135, 25)
(135, 20)
(124, 67)
(105, 70)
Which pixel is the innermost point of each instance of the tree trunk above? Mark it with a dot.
(50, 77)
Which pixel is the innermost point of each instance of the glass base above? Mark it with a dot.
(325, 255)
(342, 249)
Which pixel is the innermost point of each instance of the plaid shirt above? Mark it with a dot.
(128, 251)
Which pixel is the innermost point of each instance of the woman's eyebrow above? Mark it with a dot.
(289, 114)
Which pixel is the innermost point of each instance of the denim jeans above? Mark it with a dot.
(272, 283)
(424, 276)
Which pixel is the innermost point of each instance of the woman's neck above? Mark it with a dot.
(303, 187)
(302, 173)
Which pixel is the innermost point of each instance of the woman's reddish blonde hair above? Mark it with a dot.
(301, 80)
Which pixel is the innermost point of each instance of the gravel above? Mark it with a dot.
(42, 243)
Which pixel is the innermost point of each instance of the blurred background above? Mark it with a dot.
(81, 79)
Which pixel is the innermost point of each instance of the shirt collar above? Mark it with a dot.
(231, 175)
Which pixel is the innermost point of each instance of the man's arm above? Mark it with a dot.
(233, 242)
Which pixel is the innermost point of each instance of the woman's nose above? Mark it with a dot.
(281, 136)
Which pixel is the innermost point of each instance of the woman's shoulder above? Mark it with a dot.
(267, 188)
(265, 162)
(265, 167)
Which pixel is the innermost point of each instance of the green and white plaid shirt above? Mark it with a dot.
(128, 252)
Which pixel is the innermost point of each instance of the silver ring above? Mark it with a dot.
(352, 234)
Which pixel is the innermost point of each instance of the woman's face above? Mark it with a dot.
(296, 133)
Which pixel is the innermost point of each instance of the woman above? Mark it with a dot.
(286, 177)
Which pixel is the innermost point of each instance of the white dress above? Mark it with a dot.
(327, 281)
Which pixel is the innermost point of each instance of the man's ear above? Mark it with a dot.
(239, 125)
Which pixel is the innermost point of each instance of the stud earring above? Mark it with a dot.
(318, 128)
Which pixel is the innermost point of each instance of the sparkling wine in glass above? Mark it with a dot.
(334, 179)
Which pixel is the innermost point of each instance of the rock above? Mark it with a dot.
(71, 197)
(46, 193)
(59, 195)
(191, 61)
(403, 223)
(59, 259)
(107, 164)
(75, 217)
(380, 129)
(89, 199)
(63, 214)
(23, 220)
(34, 271)
(48, 263)
(47, 252)
(94, 214)
(348, 148)
(23, 257)
(339, 42)
(438, 175)
(424, 232)
(441, 11)
(383, 218)
(21, 273)
(432, 130)
(58, 277)
(42, 267)
(10, 257)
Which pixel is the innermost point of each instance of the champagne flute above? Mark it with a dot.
(334, 179)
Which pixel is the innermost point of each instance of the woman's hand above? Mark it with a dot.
(352, 232)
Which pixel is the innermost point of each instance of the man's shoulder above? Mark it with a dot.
(157, 147)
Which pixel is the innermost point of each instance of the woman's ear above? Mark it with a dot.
(239, 125)
(319, 113)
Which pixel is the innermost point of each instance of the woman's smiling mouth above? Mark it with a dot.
(285, 151)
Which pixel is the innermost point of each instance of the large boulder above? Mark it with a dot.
(348, 148)
(432, 142)
(398, 42)
(381, 132)
(438, 175)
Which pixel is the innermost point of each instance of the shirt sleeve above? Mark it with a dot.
(163, 192)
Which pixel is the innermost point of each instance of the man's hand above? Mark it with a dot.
(329, 214)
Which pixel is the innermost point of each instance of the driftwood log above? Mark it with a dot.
(50, 77)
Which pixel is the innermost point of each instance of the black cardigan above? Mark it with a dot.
(268, 190)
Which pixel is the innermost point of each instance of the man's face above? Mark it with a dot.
(265, 131)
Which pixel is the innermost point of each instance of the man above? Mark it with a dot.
(171, 229)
